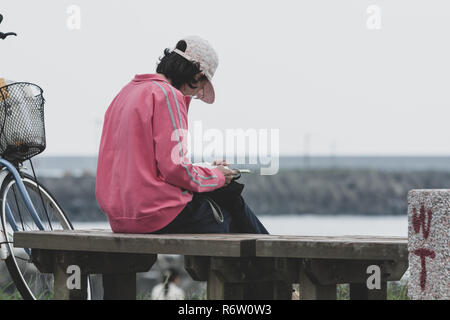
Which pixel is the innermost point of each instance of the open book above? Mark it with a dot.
(208, 165)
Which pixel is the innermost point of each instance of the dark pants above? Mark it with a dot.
(197, 217)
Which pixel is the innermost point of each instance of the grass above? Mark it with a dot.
(395, 291)
(5, 293)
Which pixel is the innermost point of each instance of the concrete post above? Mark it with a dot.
(428, 244)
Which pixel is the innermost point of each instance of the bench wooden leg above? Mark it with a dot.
(61, 290)
(314, 291)
(118, 270)
(359, 291)
(218, 289)
(318, 277)
(272, 290)
(119, 286)
(281, 290)
(242, 278)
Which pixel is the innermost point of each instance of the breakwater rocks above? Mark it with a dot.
(325, 191)
(338, 191)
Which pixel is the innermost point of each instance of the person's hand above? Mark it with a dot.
(227, 173)
(220, 162)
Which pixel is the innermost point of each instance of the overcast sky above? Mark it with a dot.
(347, 77)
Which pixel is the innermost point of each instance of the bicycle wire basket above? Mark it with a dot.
(22, 130)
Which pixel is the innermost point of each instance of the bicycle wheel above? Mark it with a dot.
(31, 284)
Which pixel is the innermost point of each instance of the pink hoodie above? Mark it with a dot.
(141, 183)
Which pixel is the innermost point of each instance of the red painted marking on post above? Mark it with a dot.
(423, 253)
(418, 221)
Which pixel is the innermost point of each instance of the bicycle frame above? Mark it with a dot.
(9, 167)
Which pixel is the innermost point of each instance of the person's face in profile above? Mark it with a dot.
(196, 92)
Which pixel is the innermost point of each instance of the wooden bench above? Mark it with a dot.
(318, 264)
(235, 266)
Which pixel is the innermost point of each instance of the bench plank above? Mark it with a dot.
(342, 247)
(229, 245)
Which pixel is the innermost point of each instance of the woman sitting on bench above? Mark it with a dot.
(145, 183)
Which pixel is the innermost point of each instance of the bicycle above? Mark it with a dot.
(26, 205)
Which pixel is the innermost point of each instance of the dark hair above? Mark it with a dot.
(178, 69)
(170, 276)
